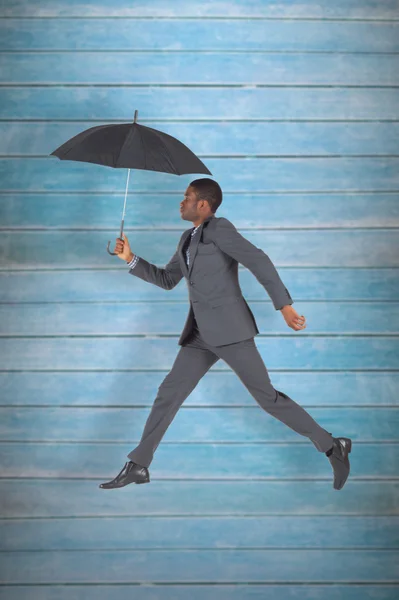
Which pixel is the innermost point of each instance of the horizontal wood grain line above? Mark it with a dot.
(203, 591)
(194, 120)
(194, 18)
(50, 229)
(157, 335)
(239, 156)
(135, 441)
(161, 302)
(157, 84)
(376, 478)
(193, 405)
(144, 192)
(163, 51)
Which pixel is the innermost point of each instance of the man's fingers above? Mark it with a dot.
(297, 325)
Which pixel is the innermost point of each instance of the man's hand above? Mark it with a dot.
(292, 318)
(122, 249)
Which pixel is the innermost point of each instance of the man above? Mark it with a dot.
(220, 324)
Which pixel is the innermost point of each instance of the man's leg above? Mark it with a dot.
(245, 360)
(191, 364)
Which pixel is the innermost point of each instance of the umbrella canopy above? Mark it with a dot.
(131, 146)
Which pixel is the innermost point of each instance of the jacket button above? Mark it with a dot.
(191, 282)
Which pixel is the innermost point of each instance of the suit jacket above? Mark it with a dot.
(215, 295)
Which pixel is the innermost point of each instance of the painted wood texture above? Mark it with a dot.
(158, 352)
(205, 424)
(143, 318)
(99, 285)
(70, 498)
(182, 68)
(191, 566)
(234, 139)
(216, 103)
(322, 9)
(294, 107)
(220, 388)
(217, 34)
(262, 211)
(192, 460)
(301, 174)
(203, 592)
(82, 249)
(198, 532)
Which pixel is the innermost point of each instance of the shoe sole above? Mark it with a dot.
(116, 487)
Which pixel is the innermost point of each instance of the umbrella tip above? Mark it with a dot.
(135, 115)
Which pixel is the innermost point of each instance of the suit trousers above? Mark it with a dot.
(193, 360)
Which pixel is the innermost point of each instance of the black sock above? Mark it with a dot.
(329, 452)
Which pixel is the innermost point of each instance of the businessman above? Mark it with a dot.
(219, 324)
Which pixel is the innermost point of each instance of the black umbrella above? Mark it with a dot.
(131, 146)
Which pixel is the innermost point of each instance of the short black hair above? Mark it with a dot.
(210, 190)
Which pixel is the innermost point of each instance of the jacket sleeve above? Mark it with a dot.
(166, 278)
(232, 243)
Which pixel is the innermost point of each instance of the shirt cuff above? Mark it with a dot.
(133, 262)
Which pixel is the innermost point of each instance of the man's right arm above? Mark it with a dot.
(166, 278)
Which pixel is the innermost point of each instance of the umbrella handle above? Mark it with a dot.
(121, 233)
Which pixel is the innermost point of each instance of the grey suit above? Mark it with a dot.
(219, 324)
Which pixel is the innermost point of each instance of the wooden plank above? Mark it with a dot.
(208, 425)
(200, 592)
(209, 68)
(58, 497)
(196, 461)
(131, 533)
(143, 318)
(215, 103)
(305, 284)
(198, 35)
(219, 566)
(269, 211)
(232, 139)
(318, 248)
(220, 387)
(355, 9)
(154, 352)
(332, 174)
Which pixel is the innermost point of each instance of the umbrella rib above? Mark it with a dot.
(143, 146)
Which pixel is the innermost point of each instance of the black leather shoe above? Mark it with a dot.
(339, 461)
(131, 473)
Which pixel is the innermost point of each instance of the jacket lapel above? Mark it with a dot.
(194, 245)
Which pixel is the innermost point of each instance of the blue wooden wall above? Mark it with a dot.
(294, 106)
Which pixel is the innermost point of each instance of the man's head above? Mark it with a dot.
(202, 198)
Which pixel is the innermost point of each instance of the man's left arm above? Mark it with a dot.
(230, 241)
